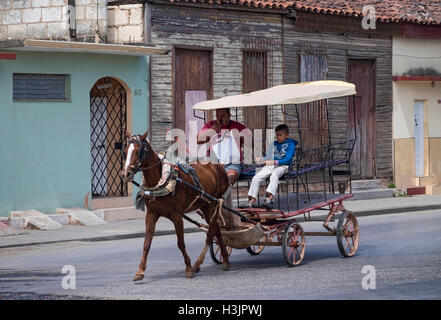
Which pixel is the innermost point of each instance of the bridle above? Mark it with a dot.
(143, 153)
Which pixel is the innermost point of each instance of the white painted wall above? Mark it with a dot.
(415, 53)
(404, 95)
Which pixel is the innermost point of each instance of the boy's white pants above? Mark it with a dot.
(274, 172)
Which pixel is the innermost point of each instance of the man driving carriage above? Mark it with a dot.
(223, 125)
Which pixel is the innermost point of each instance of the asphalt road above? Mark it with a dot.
(403, 249)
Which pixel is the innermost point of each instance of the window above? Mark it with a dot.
(41, 87)
(313, 116)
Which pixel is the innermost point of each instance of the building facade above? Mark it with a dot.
(417, 113)
(66, 100)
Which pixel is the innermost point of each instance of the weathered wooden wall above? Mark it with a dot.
(339, 48)
(228, 32)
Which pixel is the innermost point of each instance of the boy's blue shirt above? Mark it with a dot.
(282, 152)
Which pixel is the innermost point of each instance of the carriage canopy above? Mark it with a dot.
(284, 94)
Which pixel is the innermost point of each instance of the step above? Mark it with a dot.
(111, 202)
(78, 216)
(376, 193)
(366, 184)
(32, 219)
(122, 213)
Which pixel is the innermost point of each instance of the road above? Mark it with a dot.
(403, 249)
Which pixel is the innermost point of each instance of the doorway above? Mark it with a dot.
(361, 72)
(108, 124)
(192, 83)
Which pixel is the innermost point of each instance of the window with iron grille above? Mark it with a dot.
(41, 87)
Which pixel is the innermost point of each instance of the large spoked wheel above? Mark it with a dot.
(215, 252)
(348, 234)
(293, 244)
(255, 250)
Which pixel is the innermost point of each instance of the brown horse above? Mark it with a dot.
(214, 180)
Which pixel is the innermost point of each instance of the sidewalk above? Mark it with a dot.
(126, 229)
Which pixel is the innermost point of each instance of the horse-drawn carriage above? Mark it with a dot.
(202, 187)
(279, 225)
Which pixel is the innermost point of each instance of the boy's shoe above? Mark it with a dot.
(252, 204)
(268, 204)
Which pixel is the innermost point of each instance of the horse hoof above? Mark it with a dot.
(226, 267)
(189, 274)
(138, 277)
(196, 270)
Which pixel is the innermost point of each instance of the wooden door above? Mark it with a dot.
(255, 77)
(192, 73)
(362, 74)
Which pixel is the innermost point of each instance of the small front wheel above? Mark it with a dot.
(293, 244)
(216, 253)
(256, 249)
(348, 233)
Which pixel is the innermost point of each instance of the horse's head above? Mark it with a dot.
(138, 152)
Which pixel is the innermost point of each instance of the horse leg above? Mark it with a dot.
(210, 235)
(226, 262)
(213, 228)
(179, 228)
(150, 223)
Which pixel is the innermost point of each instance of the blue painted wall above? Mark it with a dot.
(45, 146)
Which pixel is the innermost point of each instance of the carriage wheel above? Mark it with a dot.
(215, 252)
(293, 244)
(255, 250)
(348, 234)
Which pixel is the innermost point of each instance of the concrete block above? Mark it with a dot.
(130, 34)
(5, 4)
(136, 16)
(58, 2)
(17, 31)
(365, 184)
(57, 29)
(51, 14)
(130, 6)
(82, 2)
(35, 220)
(41, 3)
(60, 218)
(11, 17)
(84, 26)
(19, 4)
(3, 33)
(31, 15)
(80, 216)
(36, 30)
(120, 17)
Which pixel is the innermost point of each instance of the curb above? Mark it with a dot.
(195, 229)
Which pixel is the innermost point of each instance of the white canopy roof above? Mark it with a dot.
(284, 94)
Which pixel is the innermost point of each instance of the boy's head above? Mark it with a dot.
(282, 133)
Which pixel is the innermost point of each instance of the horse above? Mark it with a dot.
(213, 178)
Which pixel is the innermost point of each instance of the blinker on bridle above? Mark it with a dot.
(143, 152)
